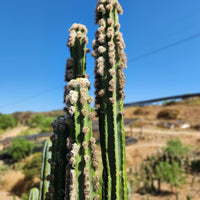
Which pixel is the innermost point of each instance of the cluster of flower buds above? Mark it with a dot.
(77, 31)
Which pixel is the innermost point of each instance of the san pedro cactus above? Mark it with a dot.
(81, 182)
(72, 156)
(110, 80)
(34, 194)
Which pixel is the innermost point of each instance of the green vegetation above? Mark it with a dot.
(168, 166)
(45, 125)
(41, 121)
(24, 196)
(175, 149)
(36, 120)
(20, 148)
(34, 194)
(32, 167)
(7, 121)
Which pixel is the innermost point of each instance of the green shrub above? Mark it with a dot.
(7, 121)
(168, 114)
(32, 167)
(41, 121)
(175, 148)
(20, 148)
(24, 196)
(169, 173)
(45, 125)
(167, 166)
(36, 120)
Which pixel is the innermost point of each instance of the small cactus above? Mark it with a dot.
(34, 194)
(45, 171)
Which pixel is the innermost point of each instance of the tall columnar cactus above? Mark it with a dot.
(73, 159)
(81, 182)
(110, 60)
(34, 194)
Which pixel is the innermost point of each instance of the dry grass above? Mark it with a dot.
(188, 111)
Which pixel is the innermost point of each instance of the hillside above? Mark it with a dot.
(157, 124)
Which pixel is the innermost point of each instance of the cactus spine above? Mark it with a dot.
(110, 59)
(34, 194)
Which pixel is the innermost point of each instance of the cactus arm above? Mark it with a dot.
(81, 182)
(110, 60)
(83, 162)
(34, 194)
(45, 171)
(76, 65)
(58, 162)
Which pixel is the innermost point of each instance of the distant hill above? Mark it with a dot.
(25, 117)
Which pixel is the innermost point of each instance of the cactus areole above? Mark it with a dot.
(110, 60)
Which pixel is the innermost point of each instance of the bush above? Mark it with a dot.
(20, 148)
(32, 167)
(168, 114)
(175, 148)
(7, 121)
(169, 173)
(140, 111)
(167, 166)
(36, 120)
(45, 125)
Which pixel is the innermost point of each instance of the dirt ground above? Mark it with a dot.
(153, 139)
(11, 133)
(151, 142)
(9, 181)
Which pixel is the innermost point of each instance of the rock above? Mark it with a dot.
(184, 126)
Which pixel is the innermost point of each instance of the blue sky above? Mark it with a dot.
(162, 45)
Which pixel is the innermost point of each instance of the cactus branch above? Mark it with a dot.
(45, 171)
(81, 182)
(34, 194)
(110, 80)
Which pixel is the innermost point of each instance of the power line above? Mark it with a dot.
(165, 47)
(131, 60)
